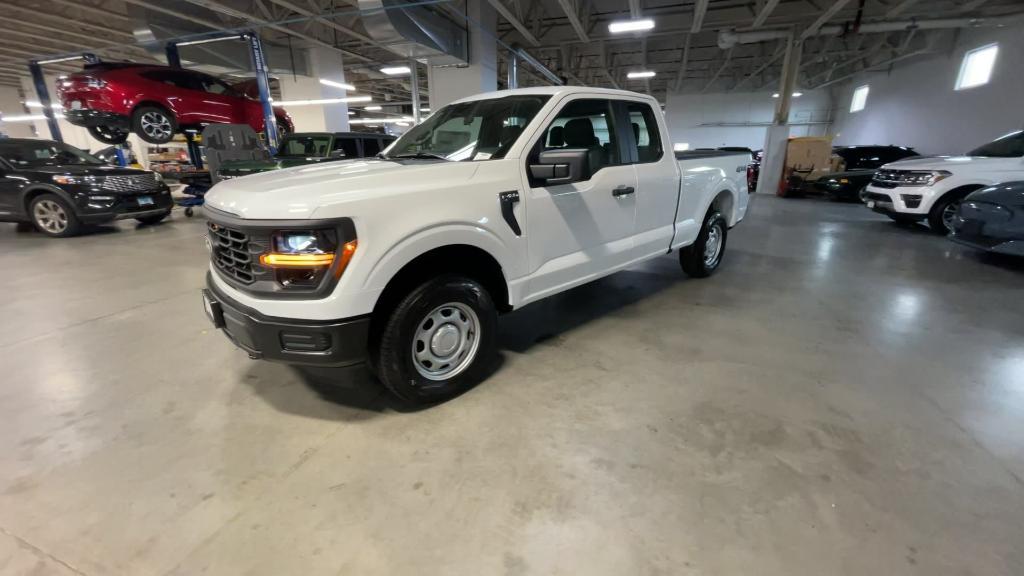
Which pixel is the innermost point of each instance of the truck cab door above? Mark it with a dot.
(580, 230)
(657, 192)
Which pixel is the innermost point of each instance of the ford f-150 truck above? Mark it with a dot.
(933, 188)
(494, 202)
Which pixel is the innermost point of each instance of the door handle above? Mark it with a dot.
(623, 191)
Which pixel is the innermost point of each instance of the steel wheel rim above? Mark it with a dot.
(156, 125)
(446, 341)
(713, 245)
(948, 213)
(50, 216)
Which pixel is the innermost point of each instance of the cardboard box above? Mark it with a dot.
(809, 153)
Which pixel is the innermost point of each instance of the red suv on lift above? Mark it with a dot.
(112, 99)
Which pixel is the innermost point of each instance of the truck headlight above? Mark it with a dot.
(301, 258)
(926, 178)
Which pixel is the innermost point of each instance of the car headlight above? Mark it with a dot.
(65, 179)
(158, 176)
(928, 178)
(301, 258)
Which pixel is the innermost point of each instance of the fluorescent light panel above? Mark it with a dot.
(621, 26)
(341, 85)
(324, 101)
(380, 120)
(396, 70)
(641, 74)
(207, 40)
(795, 94)
(373, 108)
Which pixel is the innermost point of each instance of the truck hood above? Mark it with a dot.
(244, 166)
(81, 170)
(299, 192)
(950, 163)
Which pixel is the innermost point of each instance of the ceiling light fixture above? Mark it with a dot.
(372, 121)
(795, 94)
(396, 70)
(641, 74)
(324, 101)
(621, 26)
(374, 108)
(341, 85)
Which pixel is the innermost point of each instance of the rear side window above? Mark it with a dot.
(176, 78)
(645, 132)
(371, 147)
(349, 145)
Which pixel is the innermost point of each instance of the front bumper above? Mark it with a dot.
(87, 118)
(332, 343)
(123, 206)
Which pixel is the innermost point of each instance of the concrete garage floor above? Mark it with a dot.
(845, 397)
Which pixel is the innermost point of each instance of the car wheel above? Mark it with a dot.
(155, 219)
(154, 124)
(283, 129)
(940, 218)
(53, 216)
(704, 256)
(440, 340)
(108, 134)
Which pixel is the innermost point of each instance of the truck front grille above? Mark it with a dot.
(132, 183)
(887, 178)
(231, 253)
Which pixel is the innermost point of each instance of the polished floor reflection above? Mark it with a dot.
(845, 397)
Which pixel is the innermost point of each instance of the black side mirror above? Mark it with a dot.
(561, 166)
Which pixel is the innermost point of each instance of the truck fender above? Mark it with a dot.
(30, 192)
(725, 197)
(439, 236)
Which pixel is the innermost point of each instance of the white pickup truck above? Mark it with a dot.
(493, 202)
(932, 188)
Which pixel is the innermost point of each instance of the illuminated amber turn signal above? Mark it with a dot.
(275, 260)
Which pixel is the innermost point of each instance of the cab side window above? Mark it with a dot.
(371, 147)
(585, 124)
(348, 145)
(645, 132)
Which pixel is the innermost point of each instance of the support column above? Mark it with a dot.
(326, 64)
(777, 135)
(448, 84)
(414, 85)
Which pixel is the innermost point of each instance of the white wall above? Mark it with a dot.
(915, 105)
(10, 105)
(686, 112)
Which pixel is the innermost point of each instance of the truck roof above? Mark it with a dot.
(555, 91)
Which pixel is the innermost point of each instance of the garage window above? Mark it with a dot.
(860, 99)
(976, 69)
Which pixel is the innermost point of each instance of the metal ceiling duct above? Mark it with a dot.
(152, 29)
(413, 31)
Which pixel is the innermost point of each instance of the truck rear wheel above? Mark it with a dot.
(702, 258)
(440, 340)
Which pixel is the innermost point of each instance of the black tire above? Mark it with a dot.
(155, 219)
(411, 330)
(694, 259)
(154, 124)
(54, 216)
(188, 212)
(938, 217)
(108, 134)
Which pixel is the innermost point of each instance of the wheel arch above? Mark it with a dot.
(725, 202)
(962, 190)
(32, 192)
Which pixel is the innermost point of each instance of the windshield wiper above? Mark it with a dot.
(420, 155)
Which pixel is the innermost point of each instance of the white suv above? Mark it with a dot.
(932, 188)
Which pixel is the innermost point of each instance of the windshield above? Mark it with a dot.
(43, 153)
(480, 130)
(1008, 146)
(304, 146)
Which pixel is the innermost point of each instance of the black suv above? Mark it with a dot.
(59, 188)
(860, 164)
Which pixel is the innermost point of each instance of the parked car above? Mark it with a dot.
(310, 148)
(59, 188)
(992, 219)
(933, 188)
(754, 170)
(859, 164)
(112, 99)
(493, 202)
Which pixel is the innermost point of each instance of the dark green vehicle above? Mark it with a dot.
(309, 148)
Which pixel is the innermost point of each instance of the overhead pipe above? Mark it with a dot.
(529, 59)
(730, 38)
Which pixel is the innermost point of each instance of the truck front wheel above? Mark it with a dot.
(702, 258)
(439, 341)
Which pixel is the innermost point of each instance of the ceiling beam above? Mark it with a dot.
(972, 5)
(105, 14)
(36, 19)
(683, 63)
(700, 9)
(515, 22)
(329, 23)
(825, 17)
(635, 9)
(765, 12)
(771, 60)
(571, 12)
(725, 64)
(900, 8)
